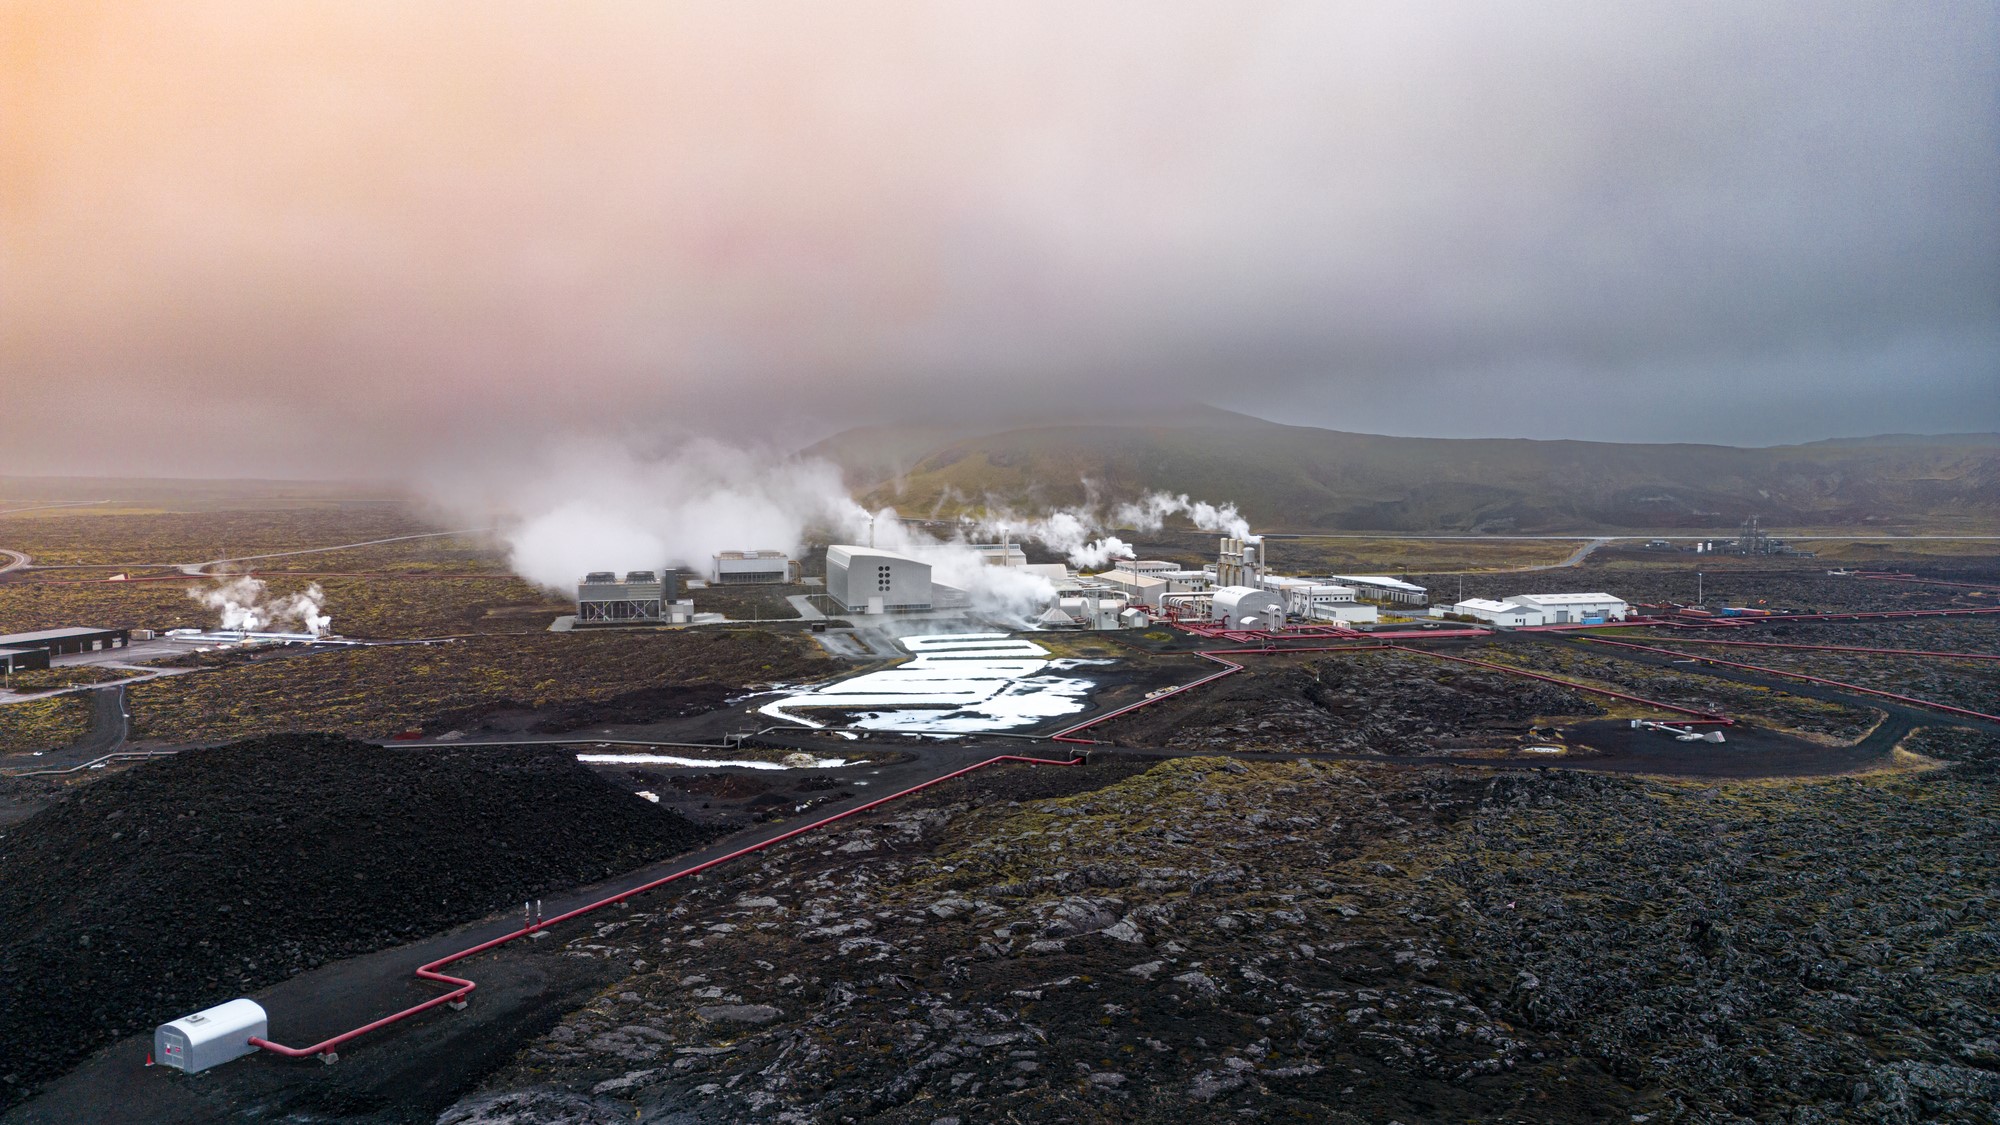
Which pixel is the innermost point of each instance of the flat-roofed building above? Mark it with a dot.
(64, 642)
(1509, 614)
(1382, 588)
(14, 660)
(754, 568)
(1569, 609)
(640, 598)
(1309, 600)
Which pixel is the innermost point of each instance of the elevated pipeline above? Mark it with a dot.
(328, 1049)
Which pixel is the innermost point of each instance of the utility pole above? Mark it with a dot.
(1698, 600)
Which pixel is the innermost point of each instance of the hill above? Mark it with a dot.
(1296, 478)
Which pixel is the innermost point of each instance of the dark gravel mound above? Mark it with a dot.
(191, 880)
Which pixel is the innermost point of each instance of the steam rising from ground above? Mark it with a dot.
(603, 506)
(244, 604)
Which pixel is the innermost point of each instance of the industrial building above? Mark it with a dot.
(877, 580)
(1382, 588)
(1149, 582)
(1000, 554)
(1240, 562)
(754, 568)
(14, 660)
(1307, 599)
(1565, 609)
(1522, 610)
(1248, 607)
(644, 597)
(63, 642)
(1508, 614)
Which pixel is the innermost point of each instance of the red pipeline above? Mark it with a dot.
(463, 987)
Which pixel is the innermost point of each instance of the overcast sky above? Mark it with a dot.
(310, 238)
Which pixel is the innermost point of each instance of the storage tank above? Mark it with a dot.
(210, 1037)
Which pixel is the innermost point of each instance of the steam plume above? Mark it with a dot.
(243, 605)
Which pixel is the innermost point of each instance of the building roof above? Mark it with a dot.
(1488, 605)
(1382, 580)
(733, 555)
(1564, 599)
(36, 638)
(852, 551)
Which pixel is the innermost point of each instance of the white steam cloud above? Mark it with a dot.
(1075, 531)
(1150, 514)
(602, 506)
(244, 604)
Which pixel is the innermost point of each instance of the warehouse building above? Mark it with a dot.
(875, 580)
(1148, 582)
(14, 660)
(1568, 609)
(63, 642)
(1308, 600)
(1382, 588)
(1508, 614)
(754, 568)
(642, 598)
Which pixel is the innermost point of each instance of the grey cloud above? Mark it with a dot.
(342, 235)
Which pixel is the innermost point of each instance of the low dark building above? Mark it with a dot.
(14, 660)
(62, 642)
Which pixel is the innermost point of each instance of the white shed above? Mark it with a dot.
(210, 1037)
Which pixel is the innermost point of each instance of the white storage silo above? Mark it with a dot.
(211, 1036)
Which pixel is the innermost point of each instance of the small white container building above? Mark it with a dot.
(210, 1037)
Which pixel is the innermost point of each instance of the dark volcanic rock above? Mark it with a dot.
(191, 880)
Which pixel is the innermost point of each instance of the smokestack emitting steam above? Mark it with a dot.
(242, 604)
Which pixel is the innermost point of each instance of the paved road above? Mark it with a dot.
(17, 561)
(201, 568)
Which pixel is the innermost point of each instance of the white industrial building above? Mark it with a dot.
(1308, 600)
(750, 568)
(1509, 614)
(876, 580)
(1000, 554)
(1382, 588)
(1523, 610)
(1247, 607)
(1148, 582)
(1566, 609)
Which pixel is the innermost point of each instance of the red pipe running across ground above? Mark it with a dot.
(1833, 648)
(463, 987)
(1909, 699)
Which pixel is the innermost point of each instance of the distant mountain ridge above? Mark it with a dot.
(1297, 478)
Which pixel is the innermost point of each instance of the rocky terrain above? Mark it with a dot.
(187, 881)
(1214, 939)
(1362, 703)
(1800, 714)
